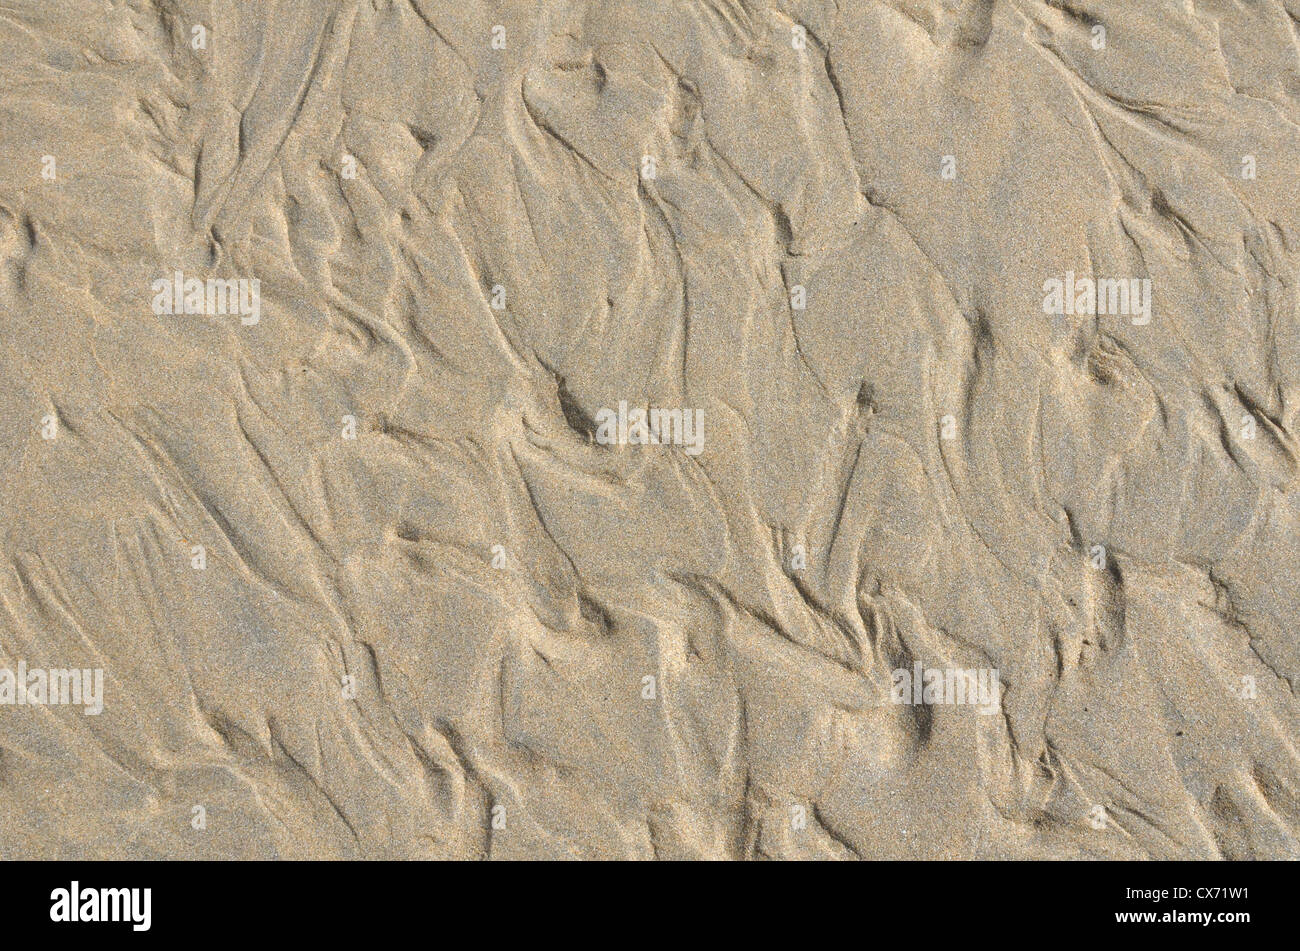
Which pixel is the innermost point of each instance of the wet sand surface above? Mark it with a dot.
(717, 429)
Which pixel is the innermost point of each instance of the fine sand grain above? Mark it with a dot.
(644, 429)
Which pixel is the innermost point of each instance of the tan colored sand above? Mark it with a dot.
(382, 562)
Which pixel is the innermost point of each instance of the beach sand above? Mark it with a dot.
(717, 429)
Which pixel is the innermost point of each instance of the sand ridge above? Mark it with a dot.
(620, 429)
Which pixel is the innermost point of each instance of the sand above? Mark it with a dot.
(711, 429)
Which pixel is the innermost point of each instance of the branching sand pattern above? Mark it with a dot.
(363, 577)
